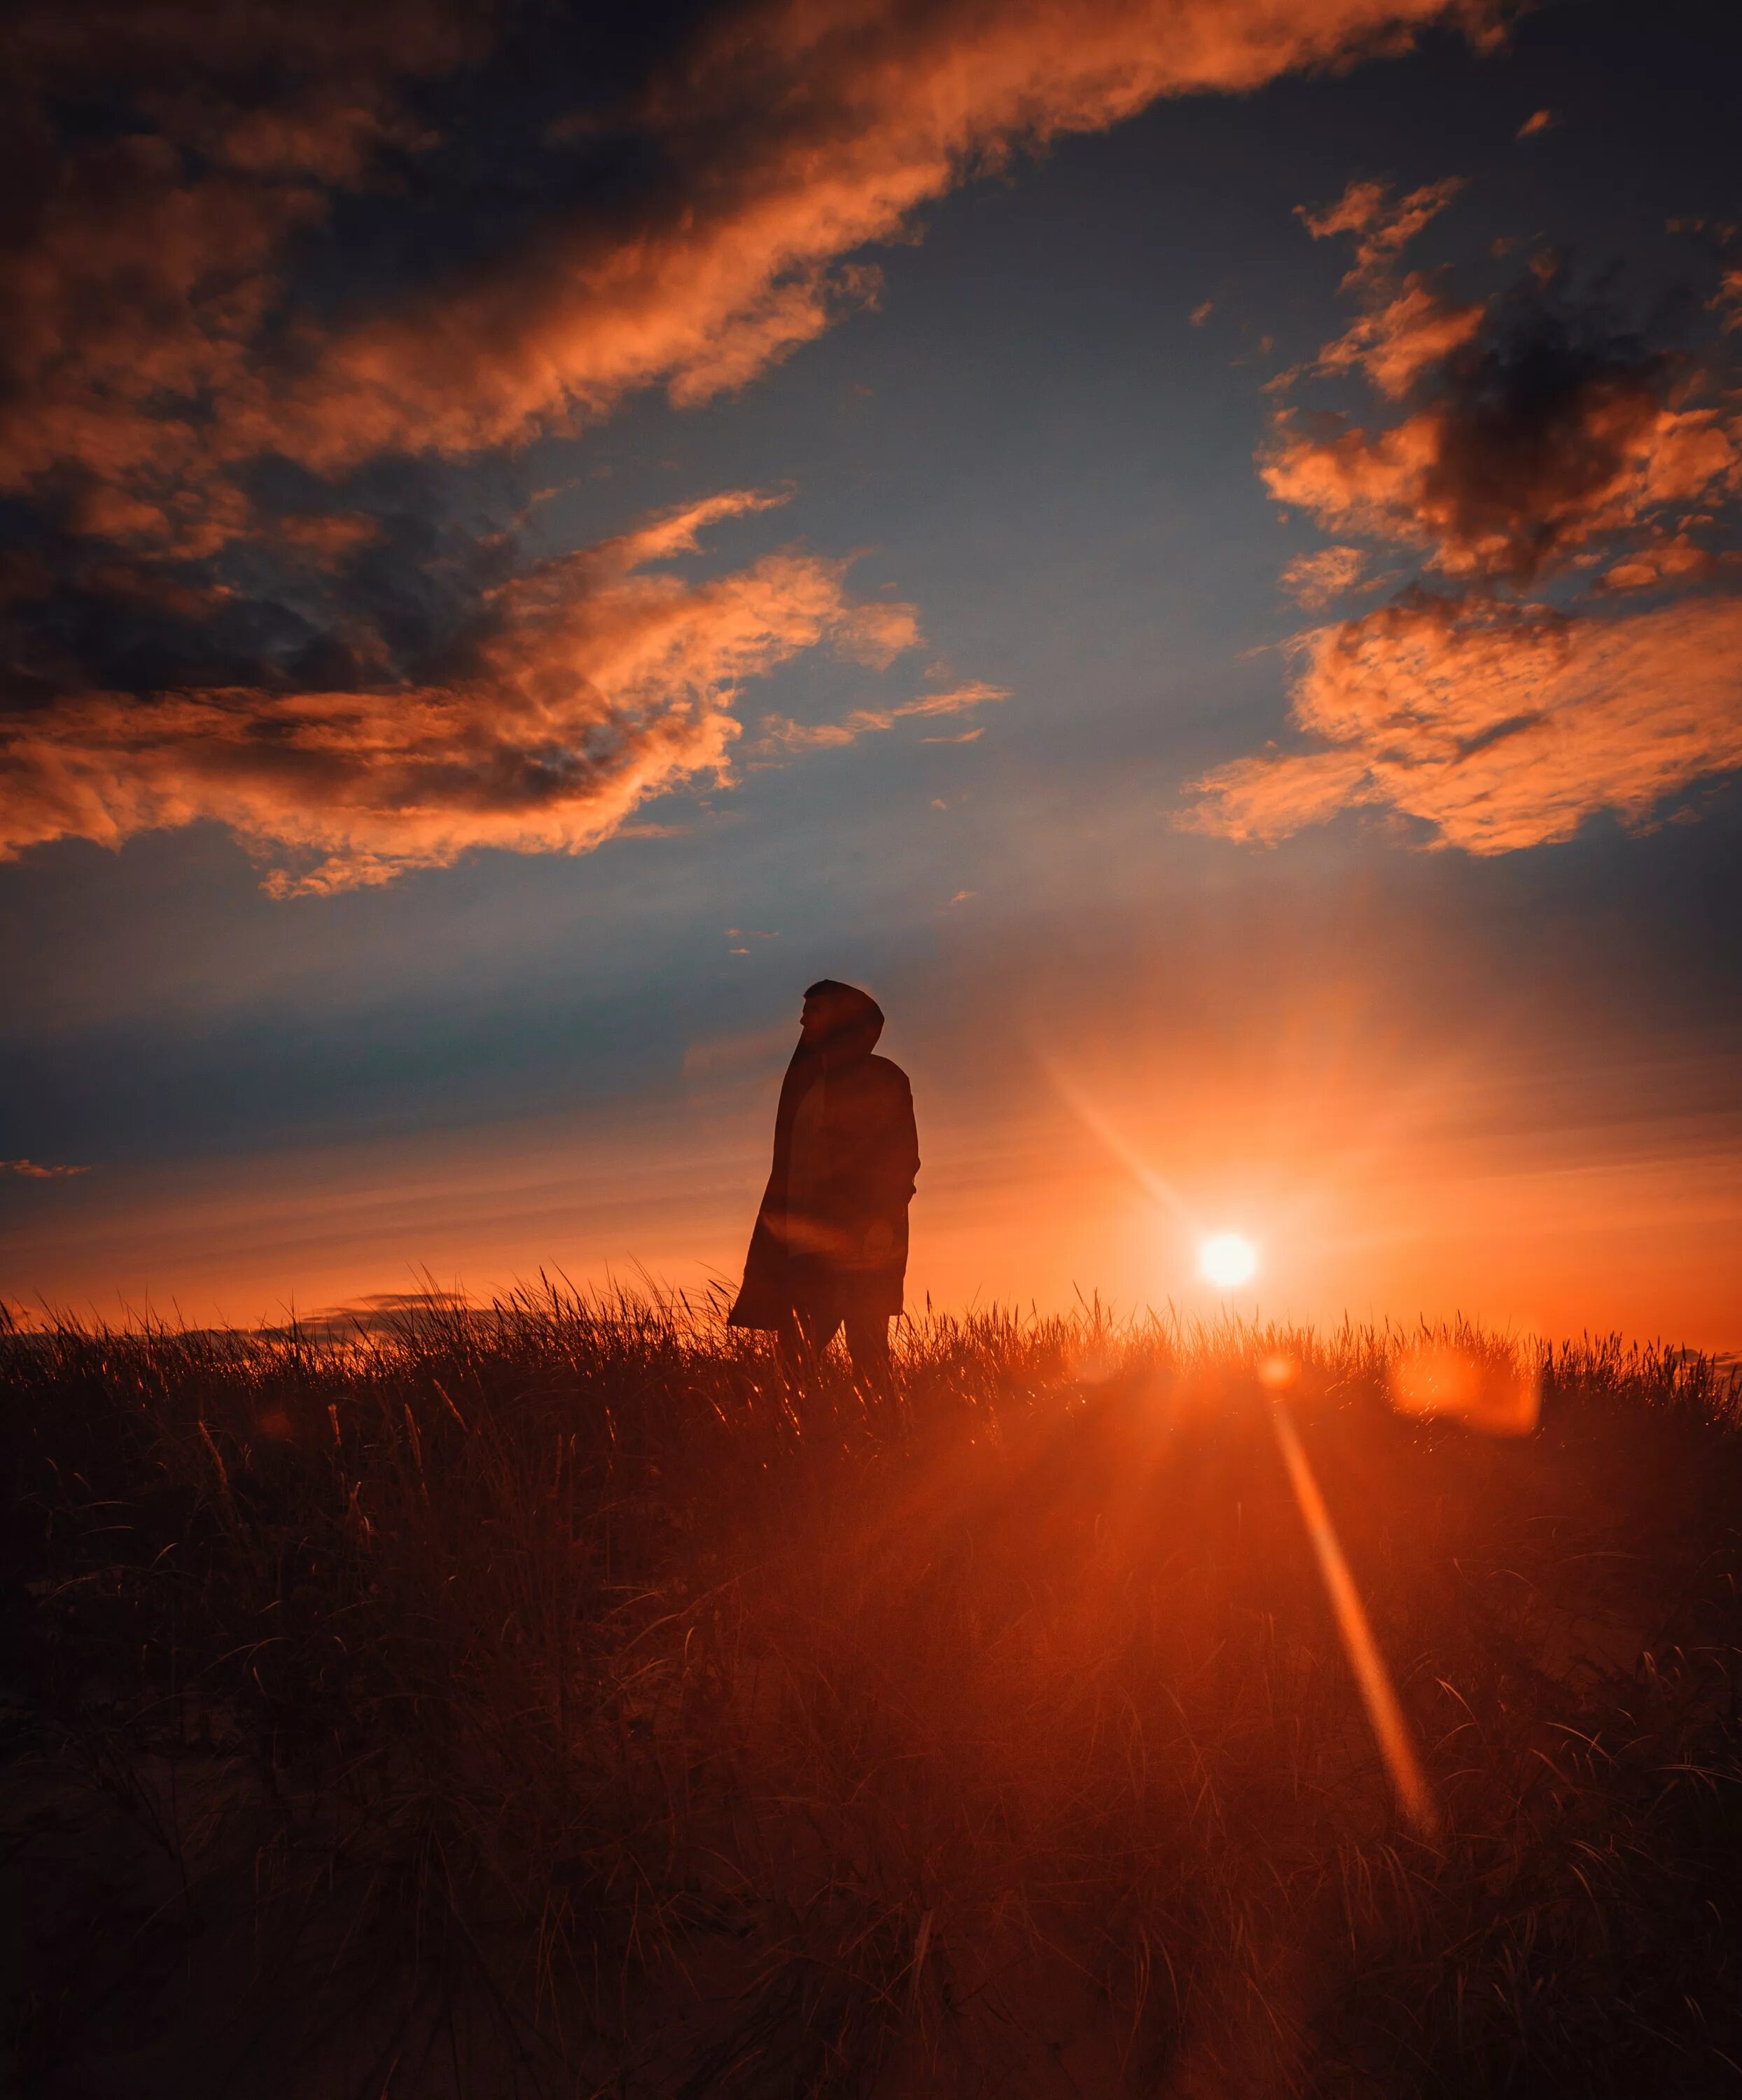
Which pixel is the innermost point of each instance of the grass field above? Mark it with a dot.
(542, 1701)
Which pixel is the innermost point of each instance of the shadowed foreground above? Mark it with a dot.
(526, 1702)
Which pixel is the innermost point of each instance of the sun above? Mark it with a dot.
(1227, 1259)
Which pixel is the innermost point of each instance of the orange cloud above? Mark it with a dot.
(166, 361)
(115, 336)
(1533, 442)
(1314, 579)
(1533, 436)
(1383, 228)
(810, 128)
(779, 732)
(1505, 482)
(1496, 726)
(1407, 327)
(593, 686)
(1401, 339)
(326, 537)
(799, 131)
(147, 260)
(1670, 561)
(28, 1170)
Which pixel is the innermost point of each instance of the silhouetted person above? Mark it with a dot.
(830, 1244)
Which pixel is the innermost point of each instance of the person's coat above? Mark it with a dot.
(849, 1236)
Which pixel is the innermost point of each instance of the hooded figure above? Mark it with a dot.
(830, 1243)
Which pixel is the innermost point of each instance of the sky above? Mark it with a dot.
(1189, 548)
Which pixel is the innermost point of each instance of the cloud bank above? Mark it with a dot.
(789, 136)
(1499, 726)
(1530, 443)
(590, 685)
(255, 256)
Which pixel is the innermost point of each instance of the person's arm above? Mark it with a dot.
(888, 1165)
(908, 1143)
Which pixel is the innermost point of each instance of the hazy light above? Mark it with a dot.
(1227, 1259)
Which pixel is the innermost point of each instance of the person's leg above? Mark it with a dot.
(804, 1340)
(791, 1349)
(868, 1345)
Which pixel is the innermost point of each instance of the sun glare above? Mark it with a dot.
(1227, 1259)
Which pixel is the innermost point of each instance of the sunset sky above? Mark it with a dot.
(1190, 547)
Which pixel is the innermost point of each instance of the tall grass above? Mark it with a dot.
(545, 1699)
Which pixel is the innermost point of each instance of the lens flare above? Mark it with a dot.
(1227, 1259)
(1498, 1391)
(1390, 1730)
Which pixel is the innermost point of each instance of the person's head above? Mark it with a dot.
(839, 1017)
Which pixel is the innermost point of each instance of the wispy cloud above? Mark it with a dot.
(781, 733)
(1382, 226)
(1313, 580)
(31, 1169)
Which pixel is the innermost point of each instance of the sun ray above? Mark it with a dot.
(1390, 1730)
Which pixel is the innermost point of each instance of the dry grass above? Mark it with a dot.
(531, 1701)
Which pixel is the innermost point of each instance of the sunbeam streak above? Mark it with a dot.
(1389, 1729)
(1161, 1191)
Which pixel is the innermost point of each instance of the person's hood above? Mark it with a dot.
(858, 1022)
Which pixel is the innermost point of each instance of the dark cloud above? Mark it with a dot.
(1534, 438)
(1534, 429)
(384, 1313)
